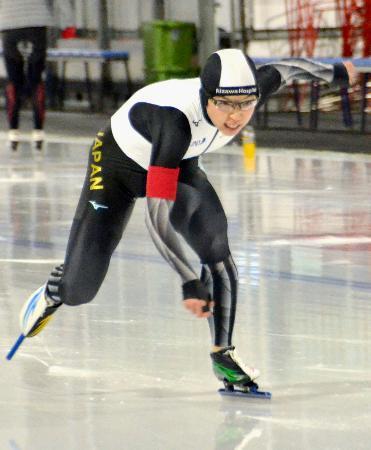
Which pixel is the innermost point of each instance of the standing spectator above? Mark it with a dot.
(24, 26)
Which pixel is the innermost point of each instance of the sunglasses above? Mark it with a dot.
(228, 107)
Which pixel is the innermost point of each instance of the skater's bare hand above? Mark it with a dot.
(352, 72)
(197, 306)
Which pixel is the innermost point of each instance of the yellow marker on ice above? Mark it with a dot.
(249, 148)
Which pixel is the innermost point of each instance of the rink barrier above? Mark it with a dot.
(86, 56)
(64, 56)
(363, 66)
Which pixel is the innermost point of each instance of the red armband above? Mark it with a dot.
(162, 182)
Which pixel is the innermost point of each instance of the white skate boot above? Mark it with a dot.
(36, 312)
(38, 137)
(228, 366)
(13, 138)
(229, 369)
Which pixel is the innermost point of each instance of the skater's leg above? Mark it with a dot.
(103, 211)
(199, 217)
(225, 282)
(95, 233)
(36, 67)
(102, 214)
(14, 86)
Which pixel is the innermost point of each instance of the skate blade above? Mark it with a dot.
(251, 393)
(15, 347)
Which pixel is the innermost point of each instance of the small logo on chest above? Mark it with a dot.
(197, 142)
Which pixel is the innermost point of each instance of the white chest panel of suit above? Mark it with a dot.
(180, 94)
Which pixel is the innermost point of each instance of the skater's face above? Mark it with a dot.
(230, 114)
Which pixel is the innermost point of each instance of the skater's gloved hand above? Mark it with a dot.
(197, 298)
(200, 308)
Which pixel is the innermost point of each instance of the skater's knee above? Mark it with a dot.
(75, 296)
(214, 250)
(75, 301)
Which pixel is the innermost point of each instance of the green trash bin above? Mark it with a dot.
(169, 50)
(167, 74)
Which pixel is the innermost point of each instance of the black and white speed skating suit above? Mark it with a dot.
(151, 148)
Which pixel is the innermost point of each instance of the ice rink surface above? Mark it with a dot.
(131, 370)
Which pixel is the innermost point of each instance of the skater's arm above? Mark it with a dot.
(165, 238)
(169, 132)
(273, 76)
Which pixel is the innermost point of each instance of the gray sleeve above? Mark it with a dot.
(307, 70)
(166, 238)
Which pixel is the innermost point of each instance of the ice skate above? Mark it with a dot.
(34, 316)
(238, 379)
(36, 312)
(13, 138)
(38, 137)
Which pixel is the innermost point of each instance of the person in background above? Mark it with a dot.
(24, 25)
